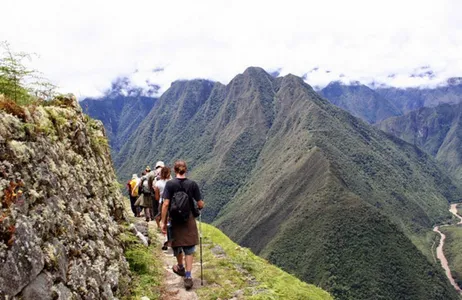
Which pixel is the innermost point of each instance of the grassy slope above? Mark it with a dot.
(232, 268)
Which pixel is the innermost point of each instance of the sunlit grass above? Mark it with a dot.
(230, 270)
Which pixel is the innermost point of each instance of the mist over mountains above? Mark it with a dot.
(303, 183)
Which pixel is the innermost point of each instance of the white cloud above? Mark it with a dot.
(85, 44)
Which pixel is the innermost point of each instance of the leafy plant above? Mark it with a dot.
(19, 83)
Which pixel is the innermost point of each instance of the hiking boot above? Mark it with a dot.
(165, 246)
(180, 272)
(188, 283)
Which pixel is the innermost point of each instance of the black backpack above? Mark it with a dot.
(181, 205)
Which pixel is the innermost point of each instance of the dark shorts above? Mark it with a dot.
(187, 250)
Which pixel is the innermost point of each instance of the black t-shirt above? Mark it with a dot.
(190, 187)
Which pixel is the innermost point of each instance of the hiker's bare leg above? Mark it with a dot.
(147, 213)
(189, 262)
(179, 258)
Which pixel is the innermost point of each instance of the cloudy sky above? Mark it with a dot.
(84, 45)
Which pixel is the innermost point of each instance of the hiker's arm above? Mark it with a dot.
(197, 195)
(164, 215)
(156, 193)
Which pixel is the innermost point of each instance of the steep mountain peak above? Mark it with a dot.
(255, 71)
(294, 81)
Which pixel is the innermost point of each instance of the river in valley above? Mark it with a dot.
(439, 249)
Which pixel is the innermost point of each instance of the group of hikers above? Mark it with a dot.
(173, 203)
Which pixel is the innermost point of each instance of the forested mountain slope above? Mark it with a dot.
(438, 130)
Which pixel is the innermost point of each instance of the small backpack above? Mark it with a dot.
(151, 183)
(144, 185)
(180, 206)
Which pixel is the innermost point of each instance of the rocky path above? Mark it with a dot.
(173, 287)
(439, 249)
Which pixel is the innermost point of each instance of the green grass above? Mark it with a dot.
(145, 267)
(452, 250)
(146, 271)
(230, 269)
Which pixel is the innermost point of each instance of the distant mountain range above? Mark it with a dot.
(360, 101)
(301, 182)
(375, 105)
(438, 130)
(414, 98)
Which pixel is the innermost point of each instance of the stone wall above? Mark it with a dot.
(60, 206)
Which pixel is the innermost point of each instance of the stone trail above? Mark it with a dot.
(173, 286)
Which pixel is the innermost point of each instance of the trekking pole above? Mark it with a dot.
(200, 242)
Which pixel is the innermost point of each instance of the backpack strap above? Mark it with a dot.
(192, 206)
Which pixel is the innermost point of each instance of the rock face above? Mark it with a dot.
(60, 204)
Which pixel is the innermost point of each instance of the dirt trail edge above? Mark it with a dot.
(173, 285)
(439, 249)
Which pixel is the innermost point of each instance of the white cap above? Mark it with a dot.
(159, 164)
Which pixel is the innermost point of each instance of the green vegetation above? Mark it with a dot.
(146, 269)
(19, 83)
(229, 268)
(452, 247)
(363, 256)
(437, 130)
